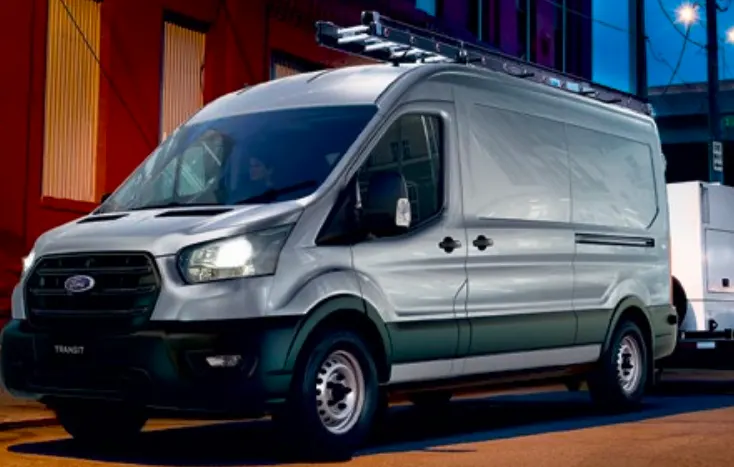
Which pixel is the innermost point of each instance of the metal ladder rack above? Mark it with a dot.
(387, 40)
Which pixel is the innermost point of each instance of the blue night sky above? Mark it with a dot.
(611, 44)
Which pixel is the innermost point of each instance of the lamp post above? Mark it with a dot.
(639, 46)
(688, 14)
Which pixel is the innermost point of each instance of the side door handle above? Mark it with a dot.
(448, 244)
(482, 242)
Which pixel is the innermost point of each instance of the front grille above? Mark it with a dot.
(126, 287)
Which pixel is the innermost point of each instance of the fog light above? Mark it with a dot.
(224, 361)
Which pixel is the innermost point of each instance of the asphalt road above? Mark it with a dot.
(686, 425)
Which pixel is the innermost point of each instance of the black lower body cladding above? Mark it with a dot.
(164, 366)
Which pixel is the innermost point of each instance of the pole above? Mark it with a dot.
(640, 49)
(716, 163)
(564, 22)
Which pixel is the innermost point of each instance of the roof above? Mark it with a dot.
(360, 85)
(355, 85)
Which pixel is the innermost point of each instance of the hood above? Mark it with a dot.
(163, 232)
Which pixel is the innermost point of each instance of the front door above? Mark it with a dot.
(417, 280)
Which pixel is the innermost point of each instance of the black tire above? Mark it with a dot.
(301, 419)
(607, 382)
(431, 400)
(100, 424)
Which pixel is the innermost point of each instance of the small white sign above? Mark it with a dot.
(717, 150)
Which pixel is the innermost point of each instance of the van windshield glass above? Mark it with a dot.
(243, 159)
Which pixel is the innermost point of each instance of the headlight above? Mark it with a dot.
(28, 262)
(249, 255)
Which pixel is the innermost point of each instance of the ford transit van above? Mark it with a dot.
(309, 246)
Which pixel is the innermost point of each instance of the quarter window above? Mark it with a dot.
(413, 145)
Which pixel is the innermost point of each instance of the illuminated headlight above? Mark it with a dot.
(249, 255)
(28, 262)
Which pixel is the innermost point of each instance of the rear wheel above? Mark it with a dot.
(619, 381)
(97, 423)
(334, 398)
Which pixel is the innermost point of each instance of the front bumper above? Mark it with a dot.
(159, 367)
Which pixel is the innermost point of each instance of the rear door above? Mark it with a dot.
(516, 192)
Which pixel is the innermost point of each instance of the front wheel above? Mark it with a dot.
(334, 398)
(618, 383)
(95, 424)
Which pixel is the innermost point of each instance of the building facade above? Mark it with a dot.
(681, 112)
(92, 86)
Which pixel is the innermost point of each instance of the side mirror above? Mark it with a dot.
(104, 197)
(386, 206)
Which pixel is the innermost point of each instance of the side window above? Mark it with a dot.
(413, 145)
(613, 179)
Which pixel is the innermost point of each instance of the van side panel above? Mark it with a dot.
(516, 187)
(702, 239)
(620, 218)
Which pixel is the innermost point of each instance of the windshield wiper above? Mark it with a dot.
(273, 193)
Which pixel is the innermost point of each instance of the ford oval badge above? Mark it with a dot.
(79, 284)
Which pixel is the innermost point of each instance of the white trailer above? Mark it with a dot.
(702, 262)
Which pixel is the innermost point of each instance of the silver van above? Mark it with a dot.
(311, 246)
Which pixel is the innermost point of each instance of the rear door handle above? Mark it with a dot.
(482, 242)
(448, 244)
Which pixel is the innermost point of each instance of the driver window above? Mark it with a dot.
(413, 145)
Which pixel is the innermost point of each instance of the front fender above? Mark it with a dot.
(327, 308)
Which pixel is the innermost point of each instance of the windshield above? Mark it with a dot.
(243, 159)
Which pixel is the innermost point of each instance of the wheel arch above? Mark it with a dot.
(633, 309)
(345, 312)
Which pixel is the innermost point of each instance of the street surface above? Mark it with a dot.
(685, 425)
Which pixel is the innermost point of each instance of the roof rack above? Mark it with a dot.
(384, 39)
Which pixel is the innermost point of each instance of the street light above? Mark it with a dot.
(730, 35)
(687, 13)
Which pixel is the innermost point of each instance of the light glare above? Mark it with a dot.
(730, 35)
(687, 14)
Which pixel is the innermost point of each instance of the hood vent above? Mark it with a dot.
(101, 218)
(202, 212)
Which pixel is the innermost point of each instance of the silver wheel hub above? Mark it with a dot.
(340, 392)
(629, 365)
